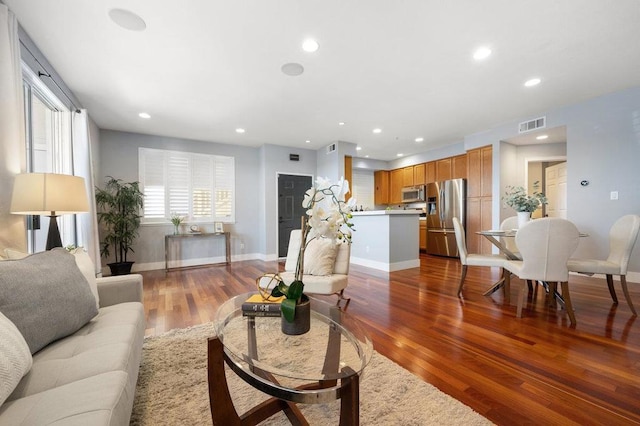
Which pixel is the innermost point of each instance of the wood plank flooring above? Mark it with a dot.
(534, 370)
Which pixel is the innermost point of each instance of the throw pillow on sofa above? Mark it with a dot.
(15, 358)
(46, 296)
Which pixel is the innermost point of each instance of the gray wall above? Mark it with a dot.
(119, 158)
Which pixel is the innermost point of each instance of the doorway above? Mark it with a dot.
(291, 190)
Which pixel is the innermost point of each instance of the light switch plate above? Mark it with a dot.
(614, 195)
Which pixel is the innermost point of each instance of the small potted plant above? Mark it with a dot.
(176, 219)
(517, 198)
(328, 216)
(119, 205)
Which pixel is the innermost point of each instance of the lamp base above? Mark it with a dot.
(53, 237)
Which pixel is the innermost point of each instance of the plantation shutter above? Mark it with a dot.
(198, 186)
(152, 173)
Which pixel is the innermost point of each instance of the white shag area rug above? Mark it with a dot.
(172, 390)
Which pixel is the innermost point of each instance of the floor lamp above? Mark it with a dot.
(50, 195)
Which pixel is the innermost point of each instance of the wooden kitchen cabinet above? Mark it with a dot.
(407, 176)
(396, 182)
(423, 235)
(443, 169)
(381, 182)
(430, 172)
(419, 174)
(459, 167)
(479, 198)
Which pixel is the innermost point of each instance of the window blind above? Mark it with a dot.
(198, 186)
(362, 188)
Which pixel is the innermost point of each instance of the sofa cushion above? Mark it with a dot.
(96, 400)
(111, 341)
(46, 296)
(14, 254)
(320, 256)
(15, 357)
(87, 268)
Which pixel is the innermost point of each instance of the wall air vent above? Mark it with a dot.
(331, 148)
(294, 157)
(527, 126)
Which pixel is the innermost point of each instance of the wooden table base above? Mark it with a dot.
(224, 413)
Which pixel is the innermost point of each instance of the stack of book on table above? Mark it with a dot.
(257, 306)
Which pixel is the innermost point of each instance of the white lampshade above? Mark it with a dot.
(48, 194)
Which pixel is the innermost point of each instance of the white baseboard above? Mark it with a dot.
(387, 267)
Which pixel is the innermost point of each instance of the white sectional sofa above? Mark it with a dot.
(89, 376)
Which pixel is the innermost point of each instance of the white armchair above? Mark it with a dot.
(333, 283)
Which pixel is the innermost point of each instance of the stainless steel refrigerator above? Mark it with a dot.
(445, 200)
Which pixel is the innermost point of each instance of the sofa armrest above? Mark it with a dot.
(119, 289)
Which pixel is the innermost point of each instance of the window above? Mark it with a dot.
(199, 186)
(362, 188)
(48, 130)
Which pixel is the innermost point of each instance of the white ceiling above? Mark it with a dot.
(202, 68)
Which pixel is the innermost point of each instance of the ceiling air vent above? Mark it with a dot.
(331, 148)
(534, 124)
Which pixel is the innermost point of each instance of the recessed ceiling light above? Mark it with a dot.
(127, 20)
(310, 45)
(419, 140)
(400, 154)
(144, 115)
(341, 123)
(377, 131)
(542, 137)
(307, 141)
(366, 156)
(292, 68)
(358, 148)
(532, 82)
(481, 53)
(239, 130)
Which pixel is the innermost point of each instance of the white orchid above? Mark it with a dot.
(328, 216)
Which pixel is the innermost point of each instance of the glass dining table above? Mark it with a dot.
(496, 237)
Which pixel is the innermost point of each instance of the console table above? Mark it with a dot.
(227, 245)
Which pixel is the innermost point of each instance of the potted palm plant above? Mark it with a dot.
(119, 205)
(328, 217)
(524, 204)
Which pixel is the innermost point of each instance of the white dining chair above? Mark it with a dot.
(509, 224)
(622, 238)
(470, 259)
(545, 245)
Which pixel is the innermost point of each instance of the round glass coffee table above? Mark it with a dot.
(317, 367)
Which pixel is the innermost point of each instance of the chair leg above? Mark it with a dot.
(623, 281)
(506, 276)
(522, 295)
(341, 298)
(612, 290)
(462, 277)
(567, 302)
(530, 285)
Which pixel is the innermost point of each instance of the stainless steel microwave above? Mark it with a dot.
(413, 194)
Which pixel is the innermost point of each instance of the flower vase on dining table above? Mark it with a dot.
(523, 218)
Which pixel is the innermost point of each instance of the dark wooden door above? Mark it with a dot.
(291, 189)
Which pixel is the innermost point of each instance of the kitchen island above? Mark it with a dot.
(387, 240)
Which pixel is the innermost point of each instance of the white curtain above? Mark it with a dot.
(86, 223)
(12, 138)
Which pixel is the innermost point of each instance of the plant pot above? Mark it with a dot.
(120, 268)
(523, 218)
(301, 321)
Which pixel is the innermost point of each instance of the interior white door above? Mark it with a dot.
(556, 190)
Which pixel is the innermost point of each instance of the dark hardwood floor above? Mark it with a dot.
(534, 370)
